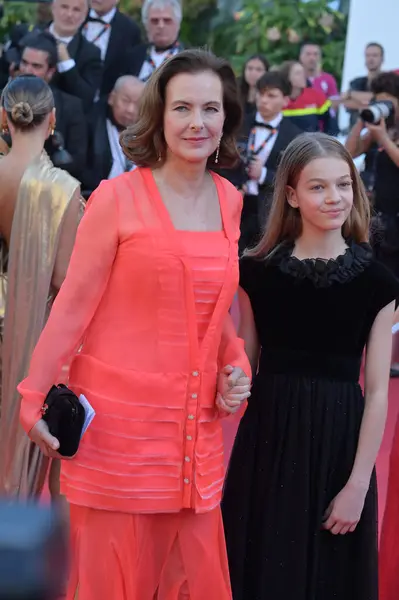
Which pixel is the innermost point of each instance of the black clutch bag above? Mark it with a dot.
(65, 417)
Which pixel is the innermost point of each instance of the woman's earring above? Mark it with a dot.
(217, 152)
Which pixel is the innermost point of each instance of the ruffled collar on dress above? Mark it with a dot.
(323, 273)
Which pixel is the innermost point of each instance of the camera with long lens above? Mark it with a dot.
(377, 111)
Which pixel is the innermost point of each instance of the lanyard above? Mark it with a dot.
(106, 27)
(151, 63)
(251, 147)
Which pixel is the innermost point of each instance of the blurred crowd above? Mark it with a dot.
(97, 62)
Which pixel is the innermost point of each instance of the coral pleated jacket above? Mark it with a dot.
(155, 444)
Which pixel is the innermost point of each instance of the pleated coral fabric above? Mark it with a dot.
(148, 308)
(148, 557)
(128, 300)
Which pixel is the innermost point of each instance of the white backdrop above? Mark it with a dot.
(369, 21)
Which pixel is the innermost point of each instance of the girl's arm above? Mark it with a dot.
(247, 330)
(378, 361)
(345, 510)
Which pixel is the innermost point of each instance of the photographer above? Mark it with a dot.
(381, 145)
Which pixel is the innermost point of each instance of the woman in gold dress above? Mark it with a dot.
(39, 214)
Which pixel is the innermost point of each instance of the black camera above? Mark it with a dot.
(376, 111)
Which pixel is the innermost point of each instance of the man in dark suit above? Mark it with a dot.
(114, 34)
(79, 65)
(161, 19)
(109, 117)
(265, 135)
(39, 57)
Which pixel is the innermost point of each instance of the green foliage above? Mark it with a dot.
(198, 16)
(14, 14)
(277, 29)
(132, 8)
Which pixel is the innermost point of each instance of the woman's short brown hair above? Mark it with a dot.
(144, 143)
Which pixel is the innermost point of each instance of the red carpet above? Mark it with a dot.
(383, 458)
(230, 426)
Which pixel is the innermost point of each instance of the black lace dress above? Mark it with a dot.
(297, 441)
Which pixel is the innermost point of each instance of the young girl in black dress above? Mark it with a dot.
(300, 500)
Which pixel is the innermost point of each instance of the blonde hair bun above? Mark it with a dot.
(22, 114)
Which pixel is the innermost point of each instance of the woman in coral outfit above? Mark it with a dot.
(146, 300)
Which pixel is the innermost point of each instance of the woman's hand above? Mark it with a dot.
(48, 444)
(233, 389)
(344, 512)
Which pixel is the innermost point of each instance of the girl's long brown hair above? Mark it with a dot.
(284, 222)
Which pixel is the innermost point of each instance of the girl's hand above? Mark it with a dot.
(48, 444)
(344, 512)
(233, 389)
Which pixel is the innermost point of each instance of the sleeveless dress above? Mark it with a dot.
(297, 441)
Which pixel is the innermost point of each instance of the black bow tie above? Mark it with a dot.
(96, 20)
(265, 125)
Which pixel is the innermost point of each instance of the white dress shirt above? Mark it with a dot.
(157, 58)
(120, 164)
(63, 65)
(98, 33)
(261, 134)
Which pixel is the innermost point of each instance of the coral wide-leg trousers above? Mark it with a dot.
(120, 556)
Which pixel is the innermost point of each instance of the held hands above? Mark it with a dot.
(48, 444)
(233, 389)
(345, 510)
